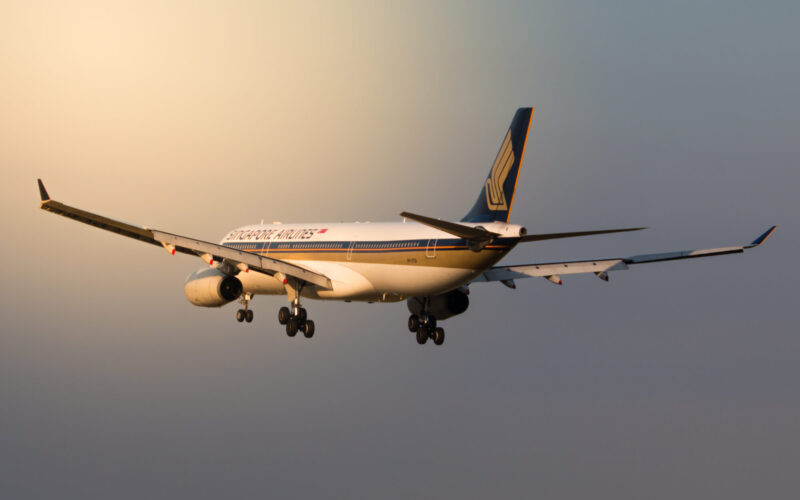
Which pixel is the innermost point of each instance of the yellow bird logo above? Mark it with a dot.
(495, 196)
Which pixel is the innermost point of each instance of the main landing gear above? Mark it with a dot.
(244, 314)
(425, 328)
(296, 319)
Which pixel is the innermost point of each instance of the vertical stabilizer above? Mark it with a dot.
(497, 195)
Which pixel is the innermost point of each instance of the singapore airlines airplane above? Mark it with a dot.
(428, 262)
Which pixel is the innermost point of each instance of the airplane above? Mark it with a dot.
(428, 262)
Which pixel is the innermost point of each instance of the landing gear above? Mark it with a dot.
(283, 315)
(296, 319)
(438, 336)
(308, 329)
(245, 314)
(292, 326)
(425, 327)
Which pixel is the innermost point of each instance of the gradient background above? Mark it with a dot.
(673, 380)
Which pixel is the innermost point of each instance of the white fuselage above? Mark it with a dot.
(369, 261)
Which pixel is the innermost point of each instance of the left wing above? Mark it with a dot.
(552, 271)
(232, 259)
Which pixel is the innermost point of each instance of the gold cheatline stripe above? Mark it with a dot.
(463, 258)
(383, 250)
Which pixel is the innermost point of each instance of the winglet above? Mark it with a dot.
(43, 191)
(761, 239)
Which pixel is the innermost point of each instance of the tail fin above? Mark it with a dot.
(497, 196)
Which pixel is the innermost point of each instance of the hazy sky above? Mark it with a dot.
(673, 380)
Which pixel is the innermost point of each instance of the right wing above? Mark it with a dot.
(209, 252)
(552, 271)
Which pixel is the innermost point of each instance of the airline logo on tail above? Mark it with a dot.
(495, 196)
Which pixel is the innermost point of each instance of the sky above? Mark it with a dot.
(673, 379)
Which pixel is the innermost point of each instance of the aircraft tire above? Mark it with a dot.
(308, 329)
(292, 326)
(303, 315)
(240, 315)
(438, 336)
(431, 321)
(422, 335)
(283, 315)
(248, 315)
(413, 323)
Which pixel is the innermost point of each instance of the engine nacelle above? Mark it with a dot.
(441, 306)
(208, 287)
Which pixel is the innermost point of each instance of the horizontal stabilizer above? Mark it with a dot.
(460, 230)
(553, 236)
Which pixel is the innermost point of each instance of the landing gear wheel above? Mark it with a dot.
(308, 329)
(413, 323)
(438, 336)
(302, 315)
(248, 316)
(283, 315)
(431, 322)
(422, 335)
(292, 326)
(240, 314)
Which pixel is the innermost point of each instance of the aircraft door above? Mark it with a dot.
(350, 250)
(430, 251)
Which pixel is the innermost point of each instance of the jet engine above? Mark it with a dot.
(210, 288)
(441, 306)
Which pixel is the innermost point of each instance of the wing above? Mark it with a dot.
(232, 259)
(552, 271)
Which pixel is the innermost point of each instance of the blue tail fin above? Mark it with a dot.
(497, 196)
